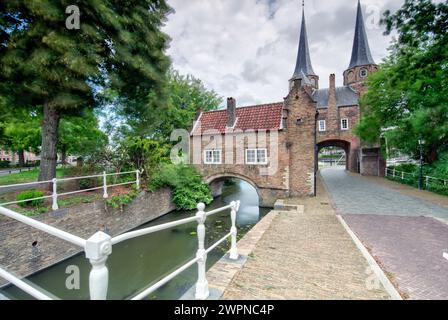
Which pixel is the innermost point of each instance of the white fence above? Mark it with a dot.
(392, 172)
(54, 196)
(99, 246)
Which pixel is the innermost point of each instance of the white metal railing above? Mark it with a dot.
(99, 246)
(392, 172)
(55, 195)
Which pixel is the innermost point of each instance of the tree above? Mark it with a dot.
(43, 63)
(22, 133)
(80, 136)
(407, 97)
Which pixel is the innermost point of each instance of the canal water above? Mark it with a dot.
(136, 264)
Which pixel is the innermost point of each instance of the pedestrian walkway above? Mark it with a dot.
(306, 254)
(404, 229)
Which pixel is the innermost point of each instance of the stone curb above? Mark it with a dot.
(388, 286)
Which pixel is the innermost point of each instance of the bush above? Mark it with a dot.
(5, 164)
(186, 183)
(30, 194)
(121, 200)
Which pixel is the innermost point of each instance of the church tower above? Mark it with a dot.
(361, 63)
(304, 70)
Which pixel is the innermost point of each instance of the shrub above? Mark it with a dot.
(30, 194)
(121, 200)
(186, 183)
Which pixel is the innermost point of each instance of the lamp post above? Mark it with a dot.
(421, 142)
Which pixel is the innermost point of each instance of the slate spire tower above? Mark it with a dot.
(304, 69)
(361, 62)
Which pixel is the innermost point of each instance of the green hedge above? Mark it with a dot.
(30, 194)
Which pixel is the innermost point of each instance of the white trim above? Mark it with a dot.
(319, 125)
(342, 124)
(213, 158)
(256, 157)
(196, 123)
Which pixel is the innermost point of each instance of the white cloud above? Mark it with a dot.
(247, 49)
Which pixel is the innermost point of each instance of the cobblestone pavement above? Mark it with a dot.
(305, 255)
(352, 194)
(399, 230)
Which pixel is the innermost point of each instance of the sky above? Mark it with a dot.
(247, 49)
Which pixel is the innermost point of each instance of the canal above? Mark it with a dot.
(136, 264)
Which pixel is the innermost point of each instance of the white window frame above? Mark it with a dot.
(256, 162)
(320, 127)
(342, 124)
(213, 156)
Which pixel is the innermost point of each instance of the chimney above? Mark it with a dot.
(231, 112)
(332, 82)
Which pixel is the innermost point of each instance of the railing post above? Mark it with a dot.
(137, 180)
(393, 173)
(98, 248)
(202, 291)
(55, 195)
(427, 181)
(233, 249)
(105, 195)
(402, 175)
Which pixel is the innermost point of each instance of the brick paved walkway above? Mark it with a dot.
(399, 230)
(306, 255)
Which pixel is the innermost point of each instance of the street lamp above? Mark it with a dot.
(421, 142)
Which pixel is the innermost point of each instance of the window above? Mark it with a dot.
(344, 124)
(256, 156)
(322, 126)
(363, 73)
(212, 156)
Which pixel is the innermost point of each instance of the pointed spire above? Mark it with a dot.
(303, 65)
(361, 51)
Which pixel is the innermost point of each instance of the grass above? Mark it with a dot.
(27, 176)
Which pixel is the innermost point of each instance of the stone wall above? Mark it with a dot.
(16, 251)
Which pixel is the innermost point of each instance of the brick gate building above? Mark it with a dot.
(274, 146)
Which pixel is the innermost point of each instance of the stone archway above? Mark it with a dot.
(267, 197)
(352, 162)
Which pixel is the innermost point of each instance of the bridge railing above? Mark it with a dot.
(99, 246)
(428, 180)
(55, 182)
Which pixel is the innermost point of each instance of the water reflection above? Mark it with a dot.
(145, 260)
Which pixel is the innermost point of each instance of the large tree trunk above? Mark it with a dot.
(48, 154)
(21, 158)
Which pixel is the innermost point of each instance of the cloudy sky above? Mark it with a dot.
(247, 48)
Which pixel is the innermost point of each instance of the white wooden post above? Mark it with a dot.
(98, 248)
(105, 195)
(386, 172)
(55, 195)
(402, 175)
(202, 291)
(427, 182)
(233, 249)
(394, 173)
(137, 179)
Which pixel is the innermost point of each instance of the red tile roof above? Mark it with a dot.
(260, 117)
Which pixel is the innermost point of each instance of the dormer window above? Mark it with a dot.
(363, 73)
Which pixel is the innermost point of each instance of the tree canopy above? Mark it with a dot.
(407, 98)
(43, 63)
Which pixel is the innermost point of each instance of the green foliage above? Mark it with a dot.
(49, 69)
(122, 200)
(146, 154)
(186, 183)
(437, 170)
(408, 95)
(5, 164)
(30, 194)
